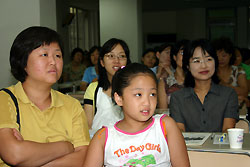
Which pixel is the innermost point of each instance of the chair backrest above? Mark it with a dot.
(243, 124)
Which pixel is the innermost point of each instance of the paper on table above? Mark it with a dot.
(195, 138)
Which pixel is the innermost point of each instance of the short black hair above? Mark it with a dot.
(76, 50)
(206, 46)
(225, 43)
(106, 48)
(25, 42)
(123, 77)
(147, 51)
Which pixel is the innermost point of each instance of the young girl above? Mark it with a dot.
(140, 139)
(98, 104)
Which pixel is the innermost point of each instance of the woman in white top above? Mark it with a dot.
(98, 104)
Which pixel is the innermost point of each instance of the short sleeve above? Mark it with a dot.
(232, 106)
(174, 108)
(79, 127)
(86, 75)
(7, 112)
(90, 93)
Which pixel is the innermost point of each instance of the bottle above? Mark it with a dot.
(74, 88)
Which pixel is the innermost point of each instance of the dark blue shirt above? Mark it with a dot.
(219, 103)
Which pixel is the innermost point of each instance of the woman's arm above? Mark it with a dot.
(228, 123)
(74, 159)
(95, 154)
(231, 113)
(18, 152)
(242, 88)
(162, 96)
(89, 114)
(175, 111)
(176, 144)
(89, 98)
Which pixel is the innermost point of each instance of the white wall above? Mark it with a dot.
(120, 19)
(48, 14)
(15, 16)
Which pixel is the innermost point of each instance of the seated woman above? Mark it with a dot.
(175, 81)
(51, 128)
(75, 69)
(91, 73)
(149, 58)
(240, 62)
(98, 105)
(229, 74)
(164, 67)
(203, 105)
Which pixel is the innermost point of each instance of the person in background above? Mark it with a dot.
(245, 52)
(173, 82)
(229, 74)
(134, 88)
(203, 105)
(240, 63)
(75, 69)
(91, 73)
(149, 58)
(164, 67)
(53, 129)
(98, 104)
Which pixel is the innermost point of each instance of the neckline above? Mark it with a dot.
(135, 133)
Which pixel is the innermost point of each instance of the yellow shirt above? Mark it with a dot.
(64, 120)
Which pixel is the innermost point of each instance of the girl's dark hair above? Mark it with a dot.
(25, 42)
(106, 48)
(175, 49)
(189, 51)
(225, 43)
(123, 76)
(76, 50)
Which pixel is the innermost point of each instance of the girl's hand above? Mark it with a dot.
(17, 135)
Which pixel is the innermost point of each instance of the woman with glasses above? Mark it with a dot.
(98, 105)
(203, 105)
(175, 80)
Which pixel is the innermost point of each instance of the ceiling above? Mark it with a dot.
(163, 5)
